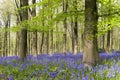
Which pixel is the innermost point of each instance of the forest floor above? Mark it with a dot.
(59, 67)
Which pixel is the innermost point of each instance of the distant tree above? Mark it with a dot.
(90, 51)
(75, 30)
(43, 33)
(6, 13)
(65, 8)
(0, 38)
(35, 51)
(108, 41)
(108, 32)
(7, 24)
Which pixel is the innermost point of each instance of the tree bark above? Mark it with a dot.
(112, 48)
(23, 38)
(1, 41)
(65, 6)
(90, 55)
(72, 38)
(43, 33)
(7, 24)
(42, 42)
(35, 51)
(47, 43)
(108, 41)
(75, 30)
(103, 40)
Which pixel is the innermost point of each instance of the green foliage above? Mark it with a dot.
(51, 12)
(48, 16)
(108, 11)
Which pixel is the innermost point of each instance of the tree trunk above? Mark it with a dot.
(90, 55)
(72, 38)
(112, 48)
(7, 24)
(23, 38)
(17, 43)
(1, 41)
(51, 47)
(108, 41)
(108, 33)
(43, 33)
(103, 40)
(65, 6)
(75, 30)
(35, 52)
(29, 43)
(42, 42)
(57, 38)
(47, 43)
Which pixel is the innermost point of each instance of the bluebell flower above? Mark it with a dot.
(28, 79)
(2, 75)
(23, 66)
(118, 69)
(45, 70)
(11, 77)
(109, 75)
(80, 67)
(53, 74)
(85, 78)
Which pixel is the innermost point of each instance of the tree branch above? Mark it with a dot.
(108, 14)
(16, 4)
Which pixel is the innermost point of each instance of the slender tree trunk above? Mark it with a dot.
(51, 47)
(1, 41)
(17, 36)
(108, 33)
(9, 41)
(51, 35)
(82, 40)
(5, 43)
(112, 40)
(75, 30)
(42, 42)
(17, 44)
(65, 6)
(76, 36)
(47, 43)
(57, 38)
(90, 55)
(23, 38)
(72, 38)
(103, 40)
(29, 43)
(35, 51)
(108, 41)
(43, 33)
(7, 22)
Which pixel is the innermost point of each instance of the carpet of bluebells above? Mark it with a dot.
(59, 67)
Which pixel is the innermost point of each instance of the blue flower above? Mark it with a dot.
(85, 78)
(53, 74)
(23, 66)
(11, 77)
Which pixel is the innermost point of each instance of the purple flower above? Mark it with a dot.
(11, 77)
(23, 66)
(85, 78)
(53, 74)
(118, 69)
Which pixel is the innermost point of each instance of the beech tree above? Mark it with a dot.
(90, 49)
